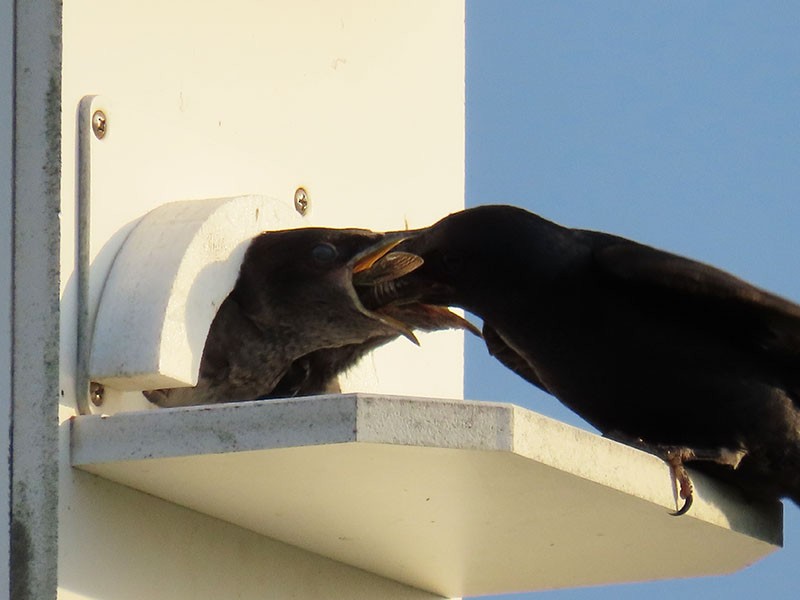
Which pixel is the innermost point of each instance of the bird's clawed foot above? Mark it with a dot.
(677, 456)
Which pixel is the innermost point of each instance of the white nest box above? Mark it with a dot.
(166, 283)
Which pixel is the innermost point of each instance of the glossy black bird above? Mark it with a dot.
(293, 321)
(649, 347)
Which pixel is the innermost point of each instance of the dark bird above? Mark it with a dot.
(293, 321)
(650, 348)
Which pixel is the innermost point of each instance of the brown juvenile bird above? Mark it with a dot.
(293, 321)
(651, 348)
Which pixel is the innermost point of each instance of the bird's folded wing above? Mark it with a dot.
(500, 349)
(762, 321)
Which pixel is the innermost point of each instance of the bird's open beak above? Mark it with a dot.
(376, 265)
(374, 273)
(365, 260)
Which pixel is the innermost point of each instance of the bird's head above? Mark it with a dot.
(308, 284)
(458, 252)
(474, 257)
(303, 281)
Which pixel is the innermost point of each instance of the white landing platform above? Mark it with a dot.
(454, 497)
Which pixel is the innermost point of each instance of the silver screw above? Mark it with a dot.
(99, 124)
(301, 201)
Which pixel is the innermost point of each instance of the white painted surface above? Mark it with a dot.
(360, 102)
(448, 496)
(166, 284)
(126, 545)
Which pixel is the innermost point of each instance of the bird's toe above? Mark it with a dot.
(675, 457)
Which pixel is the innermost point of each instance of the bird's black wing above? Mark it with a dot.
(762, 323)
(500, 349)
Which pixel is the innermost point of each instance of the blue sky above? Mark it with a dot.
(676, 124)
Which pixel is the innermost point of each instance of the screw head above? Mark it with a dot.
(301, 200)
(99, 124)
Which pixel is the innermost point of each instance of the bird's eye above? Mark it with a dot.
(324, 254)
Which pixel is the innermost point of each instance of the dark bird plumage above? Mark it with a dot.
(293, 321)
(645, 345)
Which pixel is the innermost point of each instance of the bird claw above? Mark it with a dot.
(685, 508)
(676, 456)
